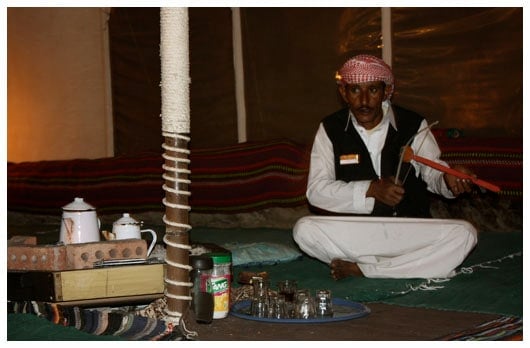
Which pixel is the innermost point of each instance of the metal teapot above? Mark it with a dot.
(127, 227)
(79, 223)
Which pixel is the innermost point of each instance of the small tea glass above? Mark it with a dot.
(277, 307)
(288, 288)
(305, 305)
(323, 305)
(260, 299)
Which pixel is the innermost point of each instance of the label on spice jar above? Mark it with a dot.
(221, 293)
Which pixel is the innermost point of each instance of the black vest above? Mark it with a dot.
(415, 203)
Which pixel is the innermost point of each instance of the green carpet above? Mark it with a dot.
(495, 287)
(29, 327)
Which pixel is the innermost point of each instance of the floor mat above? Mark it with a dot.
(501, 329)
(489, 281)
(40, 321)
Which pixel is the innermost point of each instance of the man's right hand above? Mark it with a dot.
(386, 191)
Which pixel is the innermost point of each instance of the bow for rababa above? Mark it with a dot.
(407, 144)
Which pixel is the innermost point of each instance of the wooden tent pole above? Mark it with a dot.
(174, 53)
(239, 75)
(386, 33)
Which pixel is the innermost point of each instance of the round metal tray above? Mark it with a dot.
(342, 310)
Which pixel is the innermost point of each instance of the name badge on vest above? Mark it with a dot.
(349, 159)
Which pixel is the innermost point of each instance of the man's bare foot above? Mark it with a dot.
(341, 269)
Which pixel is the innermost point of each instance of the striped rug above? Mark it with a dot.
(32, 320)
(501, 329)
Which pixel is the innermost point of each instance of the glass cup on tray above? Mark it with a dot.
(323, 306)
(260, 298)
(305, 305)
(287, 288)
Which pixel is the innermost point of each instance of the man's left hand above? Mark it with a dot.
(457, 185)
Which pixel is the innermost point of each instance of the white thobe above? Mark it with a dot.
(381, 246)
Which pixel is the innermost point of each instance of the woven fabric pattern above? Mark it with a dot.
(496, 160)
(113, 324)
(505, 328)
(229, 179)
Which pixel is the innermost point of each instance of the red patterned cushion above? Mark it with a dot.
(230, 179)
(234, 178)
(496, 160)
(249, 176)
(112, 185)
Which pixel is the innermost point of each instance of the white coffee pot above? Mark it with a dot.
(127, 227)
(79, 223)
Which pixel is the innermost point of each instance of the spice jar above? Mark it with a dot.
(202, 300)
(220, 280)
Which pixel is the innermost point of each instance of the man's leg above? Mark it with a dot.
(388, 247)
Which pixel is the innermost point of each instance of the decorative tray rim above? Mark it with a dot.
(359, 310)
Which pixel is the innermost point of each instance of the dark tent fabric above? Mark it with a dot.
(135, 70)
(459, 66)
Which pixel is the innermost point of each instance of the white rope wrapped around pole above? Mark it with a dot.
(175, 80)
(174, 53)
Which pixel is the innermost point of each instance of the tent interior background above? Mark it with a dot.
(85, 82)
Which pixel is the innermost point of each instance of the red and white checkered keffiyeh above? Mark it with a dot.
(365, 68)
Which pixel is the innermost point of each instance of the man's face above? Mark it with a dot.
(364, 100)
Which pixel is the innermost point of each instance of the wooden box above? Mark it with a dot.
(98, 285)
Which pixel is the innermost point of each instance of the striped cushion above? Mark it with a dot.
(230, 179)
(112, 185)
(247, 177)
(496, 160)
(236, 178)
